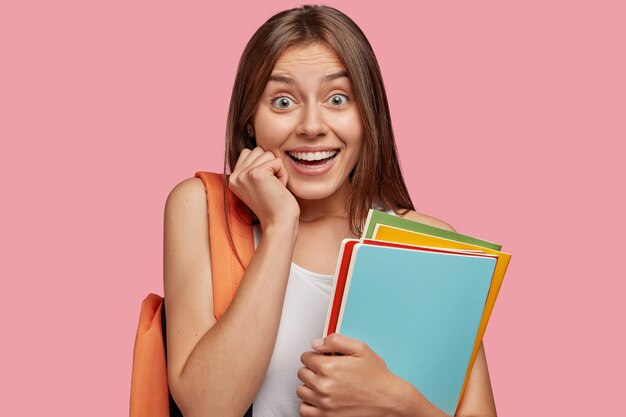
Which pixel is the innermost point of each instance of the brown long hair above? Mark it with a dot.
(376, 179)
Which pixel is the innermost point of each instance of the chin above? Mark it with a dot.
(306, 190)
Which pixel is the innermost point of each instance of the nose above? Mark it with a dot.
(312, 122)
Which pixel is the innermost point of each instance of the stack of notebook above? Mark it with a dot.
(420, 297)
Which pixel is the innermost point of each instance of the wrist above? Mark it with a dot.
(406, 399)
(284, 229)
(412, 403)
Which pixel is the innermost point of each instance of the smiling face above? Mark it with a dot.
(307, 117)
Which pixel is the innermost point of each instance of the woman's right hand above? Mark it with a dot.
(260, 181)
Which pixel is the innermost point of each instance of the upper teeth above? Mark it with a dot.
(313, 156)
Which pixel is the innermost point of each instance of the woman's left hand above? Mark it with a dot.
(354, 383)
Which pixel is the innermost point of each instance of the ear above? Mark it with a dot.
(250, 130)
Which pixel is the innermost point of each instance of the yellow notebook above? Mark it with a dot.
(392, 234)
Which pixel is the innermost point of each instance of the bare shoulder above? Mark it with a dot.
(187, 192)
(426, 219)
(185, 229)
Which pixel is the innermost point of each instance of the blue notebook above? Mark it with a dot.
(420, 312)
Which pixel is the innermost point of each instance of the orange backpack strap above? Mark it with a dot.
(149, 392)
(149, 395)
(226, 269)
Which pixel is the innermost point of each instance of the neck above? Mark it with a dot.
(335, 205)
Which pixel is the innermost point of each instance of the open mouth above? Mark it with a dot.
(312, 159)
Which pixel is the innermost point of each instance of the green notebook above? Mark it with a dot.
(375, 217)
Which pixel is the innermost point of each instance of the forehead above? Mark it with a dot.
(311, 57)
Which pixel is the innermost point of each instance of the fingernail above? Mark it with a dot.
(317, 343)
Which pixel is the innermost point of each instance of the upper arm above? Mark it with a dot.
(478, 397)
(186, 273)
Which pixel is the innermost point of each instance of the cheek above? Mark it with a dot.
(271, 131)
(350, 129)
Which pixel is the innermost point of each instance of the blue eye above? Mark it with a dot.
(283, 102)
(334, 99)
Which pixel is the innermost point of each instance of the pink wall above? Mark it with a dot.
(507, 118)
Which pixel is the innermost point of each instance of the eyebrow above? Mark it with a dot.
(324, 79)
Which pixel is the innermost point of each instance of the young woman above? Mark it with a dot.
(310, 149)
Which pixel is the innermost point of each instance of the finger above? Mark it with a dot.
(307, 376)
(254, 154)
(337, 343)
(251, 156)
(242, 155)
(281, 171)
(261, 159)
(308, 410)
(275, 167)
(312, 361)
(321, 365)
(307, 395)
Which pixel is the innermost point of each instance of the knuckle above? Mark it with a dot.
(304, 357)
(301, 372)
(327, 403)
(328, 367)
(233, 184)
(255, 174)
(325, 387)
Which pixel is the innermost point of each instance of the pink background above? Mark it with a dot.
(507, 117)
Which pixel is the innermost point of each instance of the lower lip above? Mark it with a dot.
(313, 169)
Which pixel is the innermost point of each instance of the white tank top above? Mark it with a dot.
(303, 318)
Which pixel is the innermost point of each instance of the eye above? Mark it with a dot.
(281, 102)
(339, 99)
